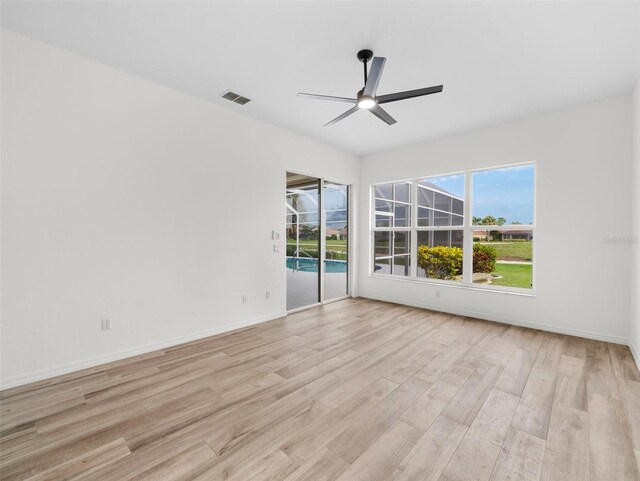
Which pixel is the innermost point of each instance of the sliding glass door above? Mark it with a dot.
(336, 249)
(303, 241)
(317, 216)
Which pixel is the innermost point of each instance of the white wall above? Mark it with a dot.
(635, 237)
(584, 166)
(126, 200)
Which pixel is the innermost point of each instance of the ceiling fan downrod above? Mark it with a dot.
(364, 56)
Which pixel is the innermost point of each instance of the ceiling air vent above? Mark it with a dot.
(234, 97)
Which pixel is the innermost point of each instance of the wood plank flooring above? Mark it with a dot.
(354, 390)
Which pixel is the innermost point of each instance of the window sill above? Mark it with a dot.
(456, 285)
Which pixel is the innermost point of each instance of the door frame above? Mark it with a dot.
(323, 241)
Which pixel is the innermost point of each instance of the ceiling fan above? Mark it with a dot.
(366, 98)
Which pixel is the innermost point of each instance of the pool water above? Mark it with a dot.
(311, 265)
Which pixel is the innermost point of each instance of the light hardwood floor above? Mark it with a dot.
(354, 390)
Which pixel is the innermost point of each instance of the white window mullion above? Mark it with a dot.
(413, 250)
(467, 241)
(323, 241)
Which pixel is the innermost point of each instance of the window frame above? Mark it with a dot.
(392, 229)
(467, 229)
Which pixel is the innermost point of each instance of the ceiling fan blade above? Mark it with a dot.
(409, 94)
(375, 72)
(326, 97)
(382, 114)
(340, 117)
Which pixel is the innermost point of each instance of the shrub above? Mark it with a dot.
(440, 262)
(484, 258)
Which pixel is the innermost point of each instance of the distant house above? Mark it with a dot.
(524, 234)
(480, 234)
(508, 235)
(340, 234)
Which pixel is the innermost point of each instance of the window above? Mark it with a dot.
(472, 228)
(502, 218)
(392, 234)
(440, 203)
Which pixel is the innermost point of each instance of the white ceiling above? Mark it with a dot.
(498, 61)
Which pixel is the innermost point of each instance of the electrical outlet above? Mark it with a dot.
(268, 295)
(244, 299)
(276, 248)
(106, 324)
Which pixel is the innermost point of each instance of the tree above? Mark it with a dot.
(476, 220)
(307, 232)
(515, 222)
(490, 220)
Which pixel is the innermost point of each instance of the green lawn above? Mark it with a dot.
(338, 245)
(513, 275)
(512, 251)
(336, 249)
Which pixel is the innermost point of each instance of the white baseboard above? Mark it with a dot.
(635, 353)
(136, 351)
(505, 320)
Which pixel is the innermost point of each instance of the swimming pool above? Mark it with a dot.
(305, 264)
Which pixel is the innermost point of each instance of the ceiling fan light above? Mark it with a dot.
(366, 102)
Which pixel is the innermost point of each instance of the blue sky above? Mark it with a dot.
(507, 192)
(451, 183)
